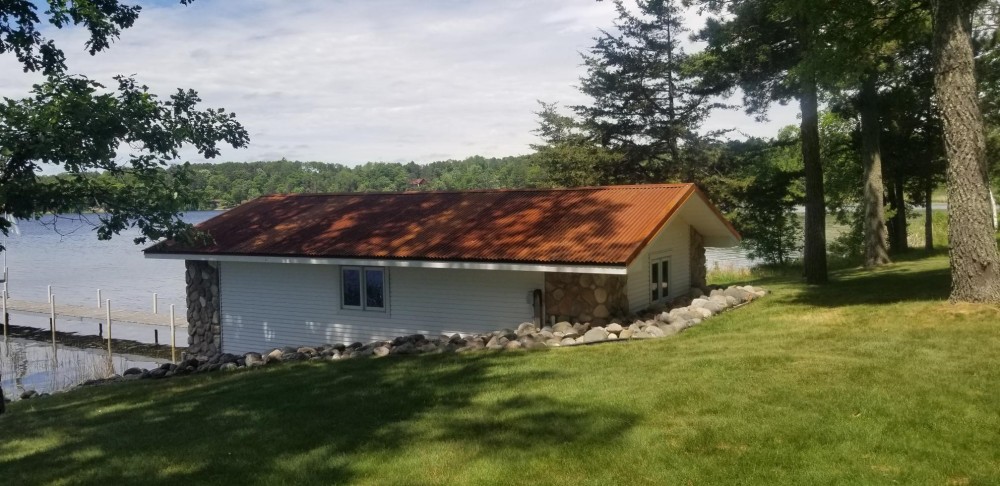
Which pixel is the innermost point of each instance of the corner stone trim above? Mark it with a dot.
(699, 268)
(585, 297)
(203, 315)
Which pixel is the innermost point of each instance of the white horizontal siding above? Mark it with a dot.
(266, 305)
(673, 241)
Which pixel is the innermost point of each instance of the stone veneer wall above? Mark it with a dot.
(698, 263)
(585, 297)
(204, 328)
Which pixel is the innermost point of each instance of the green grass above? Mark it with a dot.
(873, 379)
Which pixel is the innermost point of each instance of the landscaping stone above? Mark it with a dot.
(614, 327)
(512, 345)
(594, 335)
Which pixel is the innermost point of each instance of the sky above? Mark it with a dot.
(351, 81)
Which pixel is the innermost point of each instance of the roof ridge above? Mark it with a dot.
(485, 191)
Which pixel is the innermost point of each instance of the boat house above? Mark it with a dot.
(307, 269)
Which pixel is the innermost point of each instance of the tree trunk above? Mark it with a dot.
(897, 225)
(975, 259)
(875, 232)
(928, 214)
(814, 251)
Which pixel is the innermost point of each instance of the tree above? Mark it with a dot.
(755, 182)
(646, 104)
(572, 155)
(771, 50)
(77, 124)
(975, 259)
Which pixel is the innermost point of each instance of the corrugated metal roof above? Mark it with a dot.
(596, 225)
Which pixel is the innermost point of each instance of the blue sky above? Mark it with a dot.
(373, 80)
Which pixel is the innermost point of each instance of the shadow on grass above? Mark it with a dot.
(306, 423)
(894, 283)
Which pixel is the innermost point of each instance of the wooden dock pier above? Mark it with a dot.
(65, 311)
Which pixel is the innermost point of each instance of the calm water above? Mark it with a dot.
(32, 365)
(64, 252)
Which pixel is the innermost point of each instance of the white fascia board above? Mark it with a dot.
(522, 267)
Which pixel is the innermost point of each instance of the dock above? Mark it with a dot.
(66, 311)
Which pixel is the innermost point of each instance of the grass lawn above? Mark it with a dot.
(873, 379)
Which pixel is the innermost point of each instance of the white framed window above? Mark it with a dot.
(659, 278)
(363, 288)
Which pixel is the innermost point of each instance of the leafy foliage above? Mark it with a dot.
(77, 124)
(646, 104)
(758, 189)
(19, 28)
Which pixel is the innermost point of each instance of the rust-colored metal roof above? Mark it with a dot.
(597, 225)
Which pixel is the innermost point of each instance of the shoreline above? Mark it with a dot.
(118, 346)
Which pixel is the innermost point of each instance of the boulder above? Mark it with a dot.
(697, 303)
(625, 334)
(654, 331)
(28, 394)
(614, 328)
(739, 294)
(714, 307)
(512, 345)
(160, 373)
(562, 327)
(720, 299)
(594, 335)
(228, 367)
(700, 312)
(132, 371)
(295, 356)
(497, 342)
(405, 348)
(526, 328)
(274, 355)
(567, 341)
(380, 351)
(667, 329)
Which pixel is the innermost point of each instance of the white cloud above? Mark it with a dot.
(368, 80)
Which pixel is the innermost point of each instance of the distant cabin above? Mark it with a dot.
(308, 269)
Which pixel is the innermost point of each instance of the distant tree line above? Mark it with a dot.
(227, 184)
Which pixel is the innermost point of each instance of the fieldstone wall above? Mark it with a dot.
(204, 325)
(698, 262)
(585, 297)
